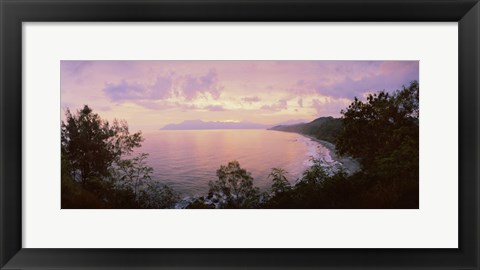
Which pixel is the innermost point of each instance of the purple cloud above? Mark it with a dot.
(300, 102)
(133, 91)
(186, 107)
(392, 75)
(251, 99)
(150, 104)
(75, 67)
(75, 72)
(195, 86)
(162, 87)
(329, 108)
(278, 106)
(215, 108)
(125, 91)
(163, 104)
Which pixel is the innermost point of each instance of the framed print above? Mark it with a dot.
(239, 134)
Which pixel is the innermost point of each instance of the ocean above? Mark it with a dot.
(188, 159)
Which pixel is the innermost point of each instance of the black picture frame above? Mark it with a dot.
(14, 12)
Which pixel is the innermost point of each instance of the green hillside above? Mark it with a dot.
(323, 128)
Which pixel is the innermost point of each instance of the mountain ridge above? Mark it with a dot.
(323, 128)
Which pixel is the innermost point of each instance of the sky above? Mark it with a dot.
(152, 94)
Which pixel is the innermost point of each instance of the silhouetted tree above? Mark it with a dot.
(91, 145)
(155, 196)
(280, 183)
(132, 173)
(383, 133)
(99, 155)
(380, 126)
(236, 186)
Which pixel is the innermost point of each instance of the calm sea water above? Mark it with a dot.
(188, 159)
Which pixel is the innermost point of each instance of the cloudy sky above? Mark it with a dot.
(151, 94)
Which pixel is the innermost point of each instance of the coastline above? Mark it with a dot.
(349, 164)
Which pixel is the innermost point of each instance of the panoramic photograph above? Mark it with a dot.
(239, 134)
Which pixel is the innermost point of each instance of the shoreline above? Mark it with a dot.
(348, 163)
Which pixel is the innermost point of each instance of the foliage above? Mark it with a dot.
(236, 185)
(200, 203)
(91, 144)
(316, 174)
(323, 128)
(318, 188)
(156, 196)
(74, 196)
(99, 169)
(280, 183)
(131, 173)
(375, 129)
(382, 133)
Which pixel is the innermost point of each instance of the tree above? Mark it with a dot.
(378, 127)
(280, 183)
(91, 145)
(155, 196)
(99, 155)
(383, 133)
(236, 186)
(132, 173)
(315, 174)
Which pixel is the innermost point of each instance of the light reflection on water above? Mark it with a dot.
(188, 159)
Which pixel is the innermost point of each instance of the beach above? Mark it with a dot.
(348, 163)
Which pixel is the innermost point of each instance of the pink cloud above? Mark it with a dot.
(132, 91)
(215, 108)
(181, 88)
(278, 106)
(251, 99)
(194, 86)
